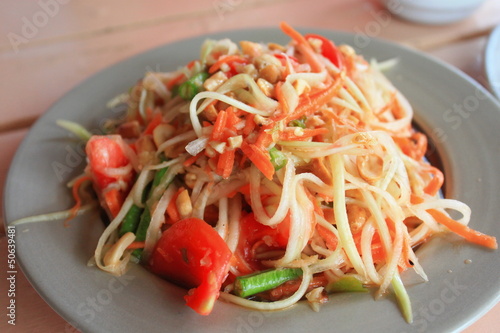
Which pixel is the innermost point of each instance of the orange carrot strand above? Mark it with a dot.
(469, 234)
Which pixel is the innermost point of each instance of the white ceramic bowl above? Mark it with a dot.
(432, 11)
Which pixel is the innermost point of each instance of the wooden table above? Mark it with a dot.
(50, 46)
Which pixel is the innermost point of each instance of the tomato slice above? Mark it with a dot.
(192, 254)
(105, 152)
(253, 232)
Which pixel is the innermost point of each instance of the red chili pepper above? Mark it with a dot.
(328, 50)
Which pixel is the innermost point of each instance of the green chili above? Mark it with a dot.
(278, 159)
(192, 86)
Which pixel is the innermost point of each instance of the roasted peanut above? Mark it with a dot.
(184, 205)
(130, 129)
(162, 133)
(146, 150)
(270, 73)
(266, 87)
(250, 48)
(215, 81)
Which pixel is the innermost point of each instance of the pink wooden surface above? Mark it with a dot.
(74, 39)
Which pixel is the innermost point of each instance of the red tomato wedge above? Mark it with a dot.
(192, 254)
(253, 233)
(105, 152)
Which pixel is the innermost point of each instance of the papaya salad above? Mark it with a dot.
(265, 174)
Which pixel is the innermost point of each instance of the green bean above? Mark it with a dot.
(145, 217)
(252, 284)
(131, 220)
(142, 229)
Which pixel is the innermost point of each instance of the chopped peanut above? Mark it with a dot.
(162, 133)
(347, 50)
(315, 121)
(235, 141)
(248, 69)
(218, 146)
(357, 217)
(250, 48)
(190, 179)
(146, 150)
(266, 59)
(370, 167)
(276, 47)
(130, 129)
(260, 120)
(210, 113)
(298, 131)
(265, 86)
(316, 44)
(215, 81)
(184, 205)
(270, 73)
(301, 86)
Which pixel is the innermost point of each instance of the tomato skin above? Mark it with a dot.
(252, 233)
(104, 152)
(192, 254)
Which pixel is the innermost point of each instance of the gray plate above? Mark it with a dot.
(491, 63)
(460, 117)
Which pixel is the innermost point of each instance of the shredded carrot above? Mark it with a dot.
(226, 60)
(232, 119)
(264, 140)
(76, 195)
(249, 124)
(219, 125)
(114, 201)
(225, 163)
(172, 211)
(414, 146)
(415, 199)
(404, 259)
(436, 182)
(191, 160)
(245, 189)
(329, 237)
(469, 234)
(304, 47)
(229, 128)
(310, 103)
(176, 80)
(157, 119)
(136, 245)
(260, 157)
